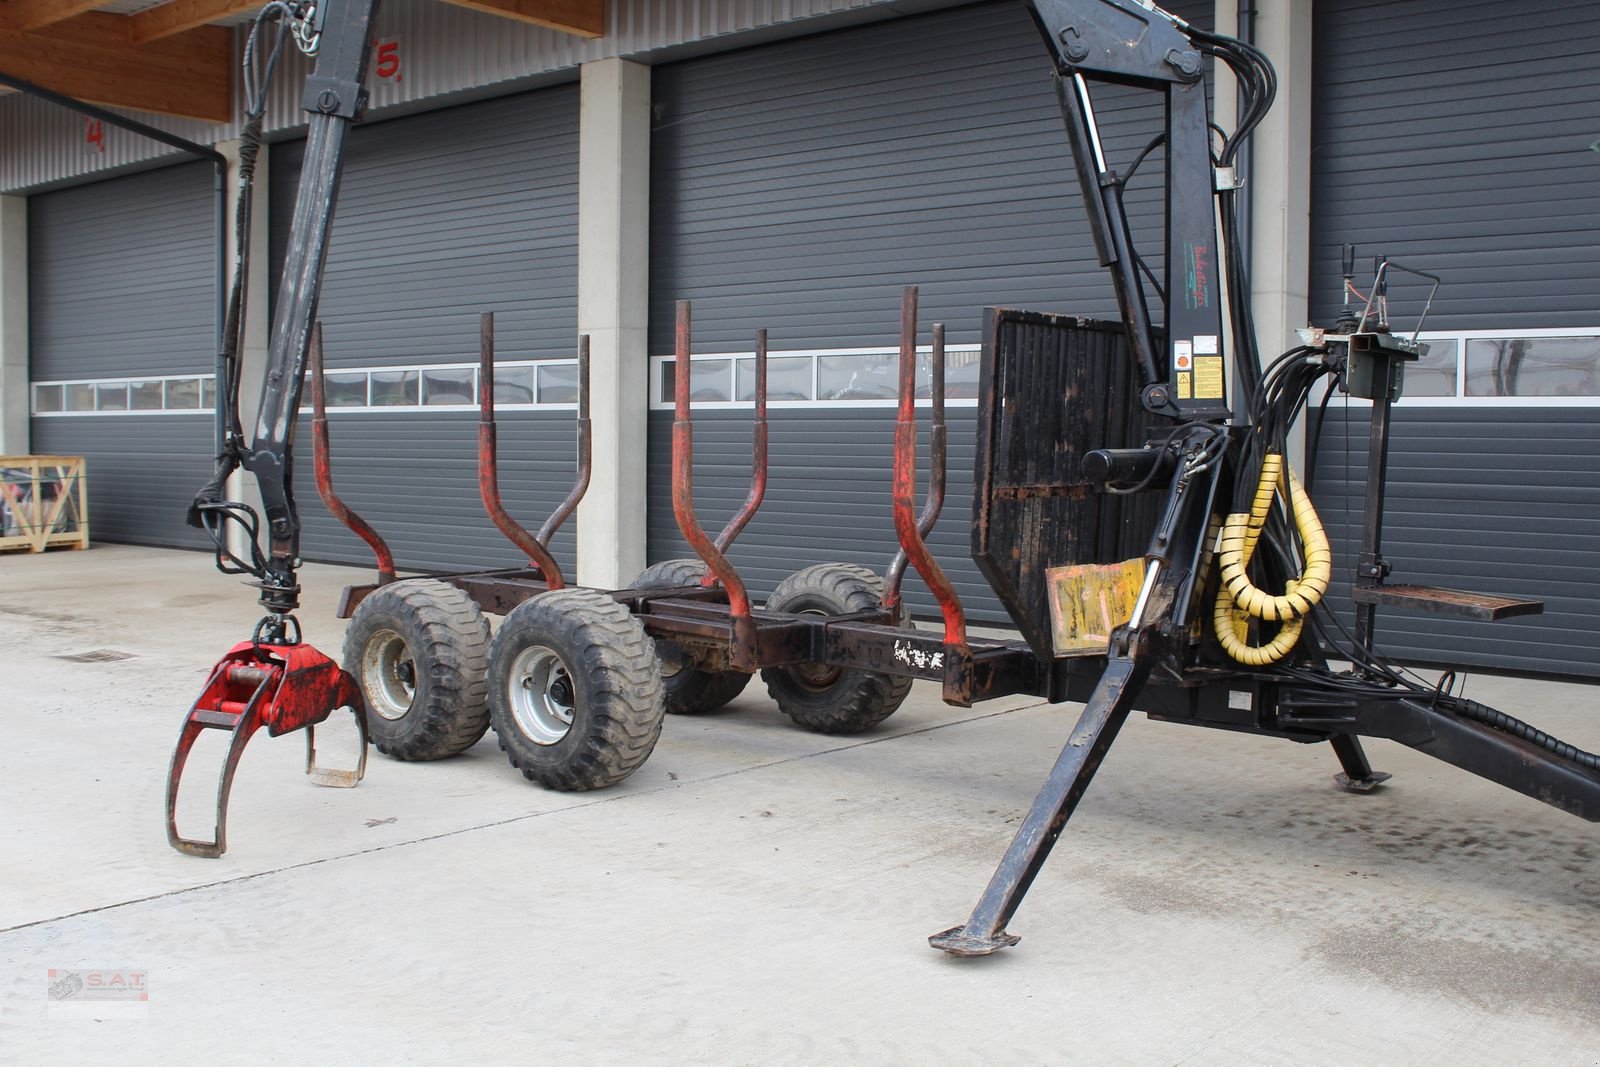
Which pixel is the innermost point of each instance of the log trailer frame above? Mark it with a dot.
(1130, 515)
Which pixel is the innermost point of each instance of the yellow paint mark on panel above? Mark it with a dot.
(1088, 601)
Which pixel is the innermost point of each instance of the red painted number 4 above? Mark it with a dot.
(94, 132)
(386, 59)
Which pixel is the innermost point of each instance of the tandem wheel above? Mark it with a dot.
(575, 690)
(823, 698)
(689, 690)
(418, 650)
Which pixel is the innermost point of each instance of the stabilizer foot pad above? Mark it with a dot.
(1361, 785)
(957, 942)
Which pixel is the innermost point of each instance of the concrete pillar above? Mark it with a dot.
(613, 287)
(1280, 179)
(257, 326)
(14, 401)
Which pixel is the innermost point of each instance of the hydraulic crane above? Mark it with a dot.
(1134, 510)
(274, 679)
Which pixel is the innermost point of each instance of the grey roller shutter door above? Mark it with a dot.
(1504, 504)
(798, 186)
(122, 283)
(1454, 136)
(1471, 161)
(442, 216)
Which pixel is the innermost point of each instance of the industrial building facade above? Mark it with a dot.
(790, 167)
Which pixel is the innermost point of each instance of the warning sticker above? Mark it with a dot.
(1182, 355)
(1208, 377)
(1185, 385)
(1205, 344)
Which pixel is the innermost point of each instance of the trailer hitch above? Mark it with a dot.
(284, 687)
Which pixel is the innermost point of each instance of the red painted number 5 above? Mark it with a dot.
(386, 58)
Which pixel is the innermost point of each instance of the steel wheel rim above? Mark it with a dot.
(389, 674)
(540, 693)
(670, 658)
(817, 677)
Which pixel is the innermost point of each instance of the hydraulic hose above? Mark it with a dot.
(1509, 724)
(1238, 600)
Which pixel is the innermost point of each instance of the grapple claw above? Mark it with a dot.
(280, 687)
(334, 776)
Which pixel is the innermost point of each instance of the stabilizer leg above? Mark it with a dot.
(1103, 715)
(1358, 775)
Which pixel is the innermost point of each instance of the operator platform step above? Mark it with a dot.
(1483, 606)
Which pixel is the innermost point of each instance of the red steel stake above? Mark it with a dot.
(742, 643)
(758, 465)
(322, 461)
(488, 474)
(958, 679)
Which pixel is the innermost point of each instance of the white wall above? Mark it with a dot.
(13, 326)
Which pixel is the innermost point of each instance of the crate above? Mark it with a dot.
(43, 503)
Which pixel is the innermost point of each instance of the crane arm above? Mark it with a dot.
(1127, 42)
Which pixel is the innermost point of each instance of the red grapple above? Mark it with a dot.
(281, 687)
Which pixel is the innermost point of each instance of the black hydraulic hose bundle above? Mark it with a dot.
(1435, 697)
(1283, 390)
(1288, 383)
(1508, 724)
(1271, 398)
(211, 510)
(1269, 401)
(1258, 86)
(1157, 141)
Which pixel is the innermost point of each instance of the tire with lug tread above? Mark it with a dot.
(689, 690)
(575, 691)
(418, 649)
(833, 700)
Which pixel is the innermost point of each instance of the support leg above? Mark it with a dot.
(1358, 775)
(1103, 716)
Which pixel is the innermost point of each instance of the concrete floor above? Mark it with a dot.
(755, 893)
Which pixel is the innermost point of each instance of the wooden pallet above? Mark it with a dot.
(43, 503)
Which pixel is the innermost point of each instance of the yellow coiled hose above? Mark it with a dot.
(1238, 601)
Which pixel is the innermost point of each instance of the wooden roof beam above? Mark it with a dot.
(89, 58)
(177, 16)
(24, 15)
(582, 18)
